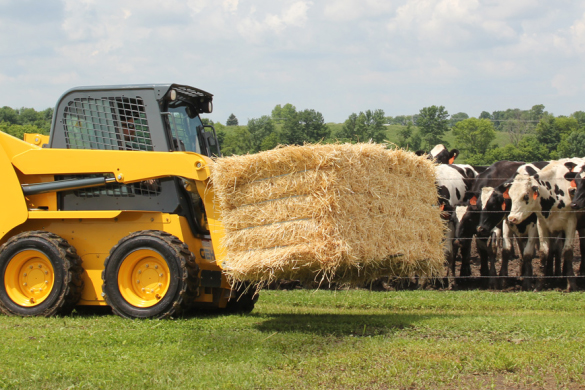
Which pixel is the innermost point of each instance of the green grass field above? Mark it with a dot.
(313, 339)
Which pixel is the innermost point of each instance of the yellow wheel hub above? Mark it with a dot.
(29, 278)
(143, 278)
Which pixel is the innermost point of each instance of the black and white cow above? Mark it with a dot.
(453, 182)
(440, 154)
(495, 209)
(576, 178)
(546, 194)
(470, 214)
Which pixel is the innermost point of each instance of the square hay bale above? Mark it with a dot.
(345, 213)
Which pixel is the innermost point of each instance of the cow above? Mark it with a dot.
(577, 192)
(495, 209)
(471, 212)
(546, 194)
(453, 181)
(440, 154)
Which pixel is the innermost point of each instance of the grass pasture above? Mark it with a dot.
(313, 339)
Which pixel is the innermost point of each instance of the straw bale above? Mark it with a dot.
(337, 213)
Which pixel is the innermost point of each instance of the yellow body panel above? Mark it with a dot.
(13, 205)
(94, 236)
(126, 166)
(36, 139)
(95, 233)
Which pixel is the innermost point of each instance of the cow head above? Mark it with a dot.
(441, 155)
(524, 193)
(496, 206)
(576, 187)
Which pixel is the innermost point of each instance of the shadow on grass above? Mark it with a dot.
(357, 325)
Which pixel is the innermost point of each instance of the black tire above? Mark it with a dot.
(182, 279)
(245, 298)
(67, 283)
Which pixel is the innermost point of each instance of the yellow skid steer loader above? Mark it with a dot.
(114, 208)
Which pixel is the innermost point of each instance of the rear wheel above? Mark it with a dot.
(150, 274)
(40, 274)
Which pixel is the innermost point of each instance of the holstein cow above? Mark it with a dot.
(471, 213)
(440, 154)
(546, 193)
(453, 181)
(495, 209)
(576, 179)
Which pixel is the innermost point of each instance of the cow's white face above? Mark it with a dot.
(524, 193)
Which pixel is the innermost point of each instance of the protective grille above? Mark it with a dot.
(114, 123)
(111, 123)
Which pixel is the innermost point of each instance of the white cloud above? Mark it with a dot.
(348, 10)
(255, 30)
(230, 5)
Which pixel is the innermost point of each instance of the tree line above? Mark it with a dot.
(531, 135)
(18, 121)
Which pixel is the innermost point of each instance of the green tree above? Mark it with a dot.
(529, 149)
(537, 112)
(432, 123)
(485, 115)
(19, 130)
(232, 120)
(456, 118)
(580, 117)
(349, 130)
(259, 129)
(281, 113)
(550, 131)
(237, 141)
(9, 115)
(369, 125)
(313, 125)
(474, 135)
(572, 146)
(270, 142)
(404, 135)
(304, 126)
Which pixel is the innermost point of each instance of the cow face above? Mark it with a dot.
(524, 194)
(577, 188)
(495, 206)
(441, 155)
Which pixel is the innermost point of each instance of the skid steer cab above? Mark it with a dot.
(115, 208)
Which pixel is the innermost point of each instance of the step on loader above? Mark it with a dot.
(115, 208)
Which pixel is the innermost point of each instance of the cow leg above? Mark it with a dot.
(526, 265)
(569, 240)
(507, 246)
(465, 248)
(582, 250)
(545, 252)
(568, 268)
(559, 251)
(450, 255)
(483, 251)
(465, 269)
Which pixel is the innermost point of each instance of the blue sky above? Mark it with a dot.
(334, 56)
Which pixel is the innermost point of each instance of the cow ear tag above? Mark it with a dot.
(573, 184)
(473, 201)
(506, 195)
(442, 207)
(535, 195)
(452, 159)
(504, 206)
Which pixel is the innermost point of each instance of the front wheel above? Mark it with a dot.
(41, 275)
(150, 274)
